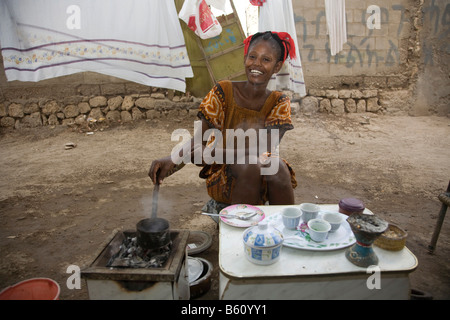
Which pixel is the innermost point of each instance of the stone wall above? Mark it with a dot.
(432, 83)
(379, 35)
(406, 57)
(83, 110)
(164, 104)
(355, 101)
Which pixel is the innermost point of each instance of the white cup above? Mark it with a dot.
(309, 210)
(318, 229)
(334, 219)
(291, 217)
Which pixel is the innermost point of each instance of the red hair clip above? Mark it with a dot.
(286, 40)
(258, 3)
(247, 44)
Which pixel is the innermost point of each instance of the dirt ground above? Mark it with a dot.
(59, 206)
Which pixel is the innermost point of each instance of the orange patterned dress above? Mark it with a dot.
(221, 112)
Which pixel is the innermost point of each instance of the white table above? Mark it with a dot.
(303, 274)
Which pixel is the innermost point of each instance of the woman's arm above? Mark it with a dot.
(164, 167)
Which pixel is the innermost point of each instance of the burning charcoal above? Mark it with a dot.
(158, 260)
(131, 255)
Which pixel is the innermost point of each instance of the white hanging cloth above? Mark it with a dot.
(278, 15)
(218, 4)
(336, 24)
(135, 40)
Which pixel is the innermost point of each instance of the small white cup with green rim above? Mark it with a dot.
(318, 229)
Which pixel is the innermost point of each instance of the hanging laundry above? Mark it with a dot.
(200, 19)
(336, 24)
(218, 4)
(135, 40)
(278, 15)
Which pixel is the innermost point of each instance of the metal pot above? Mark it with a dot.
(202, 284)
(153, 233)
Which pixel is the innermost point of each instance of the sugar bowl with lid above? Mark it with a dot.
(262, 243)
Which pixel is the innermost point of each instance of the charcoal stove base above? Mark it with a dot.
(167, 283)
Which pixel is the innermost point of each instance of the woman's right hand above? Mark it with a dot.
(160, 169)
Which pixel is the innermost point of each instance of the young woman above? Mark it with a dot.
(246, 105)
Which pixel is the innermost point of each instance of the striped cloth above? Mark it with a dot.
(135, 40)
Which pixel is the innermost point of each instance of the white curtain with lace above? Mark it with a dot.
(136, 40)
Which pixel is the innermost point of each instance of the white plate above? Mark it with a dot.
(238, 209)
(195, 269)
(300, 238)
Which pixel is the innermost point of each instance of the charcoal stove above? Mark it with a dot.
(169, 282)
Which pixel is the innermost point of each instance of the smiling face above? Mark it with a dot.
(261, 61)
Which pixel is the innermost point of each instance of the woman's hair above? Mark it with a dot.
(283, 40)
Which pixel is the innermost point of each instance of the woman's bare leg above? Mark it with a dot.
(248, 184)
(247, 187)
(279, 186)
